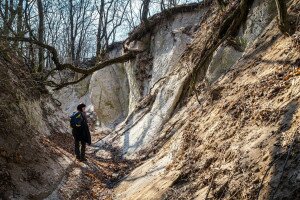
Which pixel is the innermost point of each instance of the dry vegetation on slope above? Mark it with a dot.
(243, 141)
(241, 137)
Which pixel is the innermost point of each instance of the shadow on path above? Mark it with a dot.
(284, 167)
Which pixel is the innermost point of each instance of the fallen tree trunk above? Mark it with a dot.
(138, 33)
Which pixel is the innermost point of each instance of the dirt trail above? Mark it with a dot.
(92, 179)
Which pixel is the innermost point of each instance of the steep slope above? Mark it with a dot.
(244, 136)
(154, 81)
(213, 145)
(36, 145)
(239, 139)
(30, 163)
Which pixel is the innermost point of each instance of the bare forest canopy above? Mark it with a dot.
(59, 35)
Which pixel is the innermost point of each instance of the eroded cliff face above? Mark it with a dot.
(156, 79)
(240, 139)
(115, 93)
(260, 15)
(31, 164)
(109, 92)
(150, 101)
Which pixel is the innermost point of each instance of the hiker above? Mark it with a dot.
(80, 131)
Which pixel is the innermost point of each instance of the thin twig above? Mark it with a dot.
(211, 184)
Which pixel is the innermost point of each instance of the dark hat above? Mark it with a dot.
(80, 106)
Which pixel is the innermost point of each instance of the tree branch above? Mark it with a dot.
(61, 66)
(62, 85)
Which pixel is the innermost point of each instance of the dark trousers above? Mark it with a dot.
(79, 151)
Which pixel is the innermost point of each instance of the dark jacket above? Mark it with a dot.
(82, 133)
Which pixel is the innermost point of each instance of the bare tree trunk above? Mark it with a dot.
(100, 26)
(162, 5)
(145, 11)
(19, 18)
(283, 21)
(172, 3)
(31, 55)
(8, 18)
(41, 30)
(5, 28)
(72, 35)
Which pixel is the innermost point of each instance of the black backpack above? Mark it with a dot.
(75, 120)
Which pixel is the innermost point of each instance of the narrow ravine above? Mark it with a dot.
(200, 101)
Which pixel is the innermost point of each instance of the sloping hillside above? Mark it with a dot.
(239, 138)
(30, 163)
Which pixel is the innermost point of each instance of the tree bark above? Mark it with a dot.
(72, 35)
(5, 28)
(19, 17)
(41, 30)
(145, 11)
(100, 27)
(162, 5)
(283, 22)
(222, 4)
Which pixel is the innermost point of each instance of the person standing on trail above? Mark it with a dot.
(80, 131)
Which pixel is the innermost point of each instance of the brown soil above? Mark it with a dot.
(243, 142)
(91, 179)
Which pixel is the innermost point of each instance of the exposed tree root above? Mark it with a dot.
(283, 22)
(226, 26)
